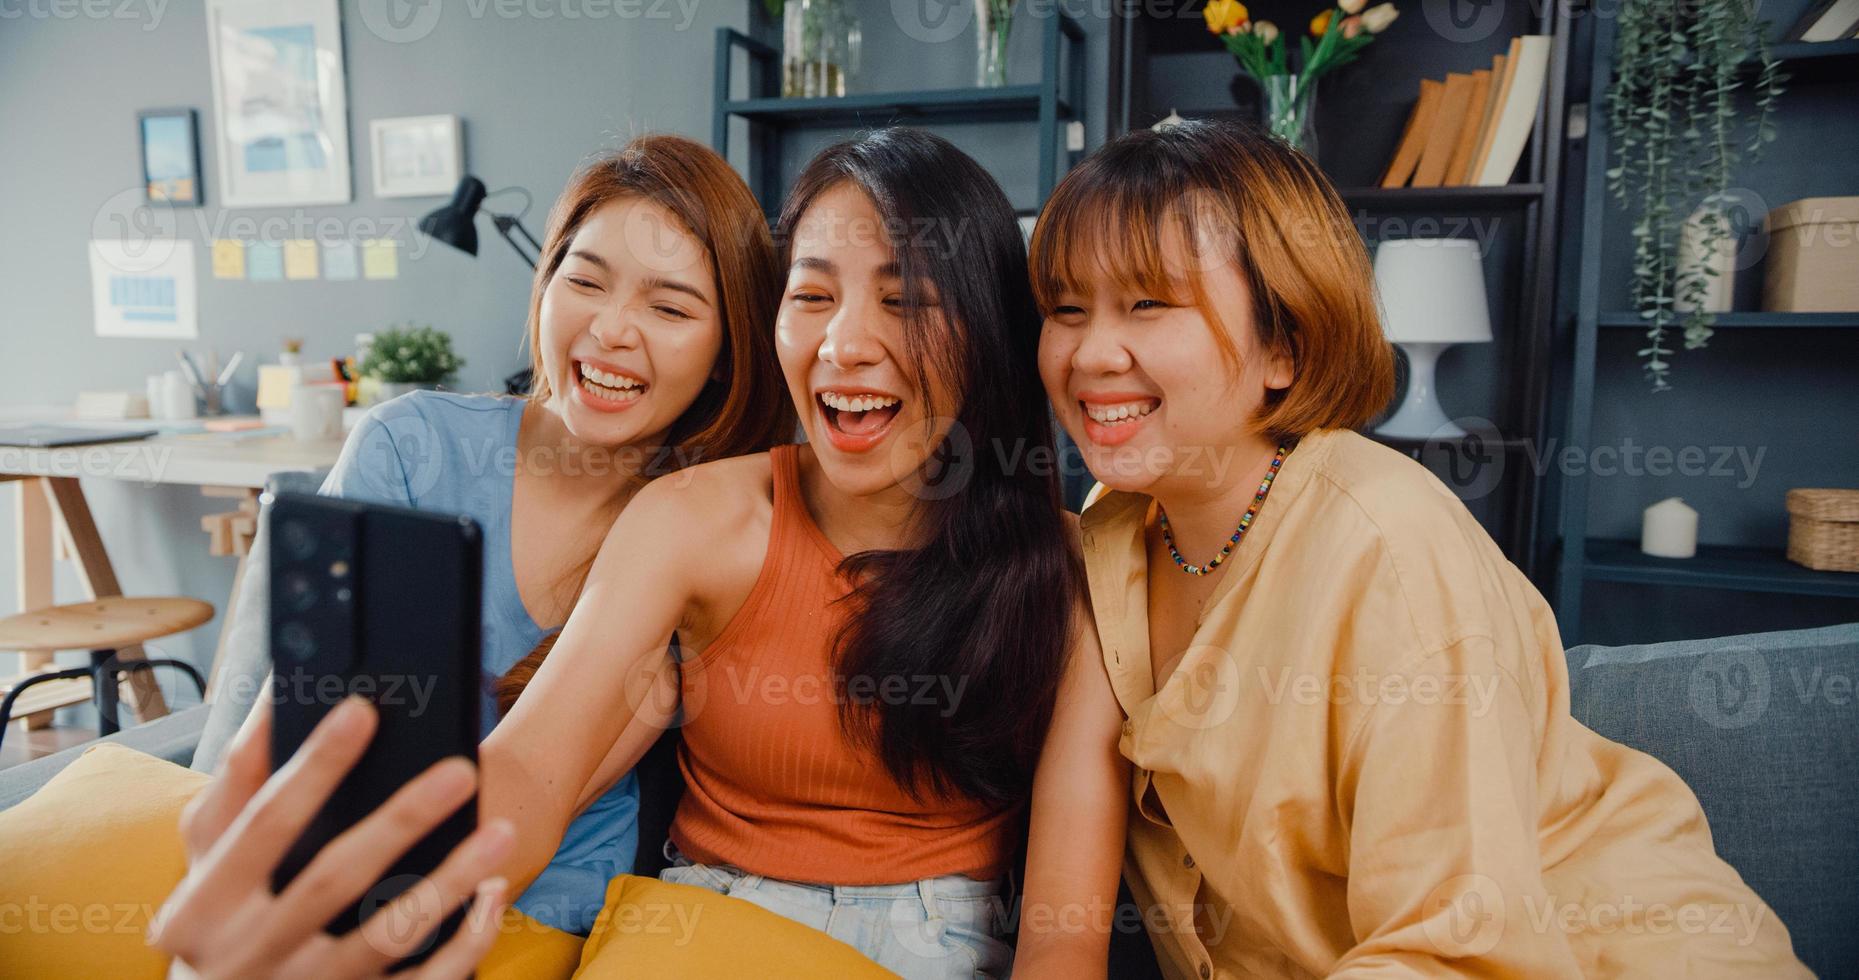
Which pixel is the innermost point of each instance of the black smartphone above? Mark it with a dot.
(382, 602)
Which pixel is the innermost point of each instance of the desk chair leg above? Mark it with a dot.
(99, 579)
(6, 704)
(108, 671)
(104, 692)
(32, 512)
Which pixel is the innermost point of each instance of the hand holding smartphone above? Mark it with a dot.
(381, 603)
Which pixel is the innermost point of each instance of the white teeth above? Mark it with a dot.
(614, 395)
(600, 377)
(1109, 414)
(856, 403)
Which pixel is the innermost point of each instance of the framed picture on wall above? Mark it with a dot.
(416, 156)
(170, 156)
(281, 102)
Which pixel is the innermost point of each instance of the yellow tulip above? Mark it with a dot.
(1320, 23)
(1377, 18)
(1225, 16)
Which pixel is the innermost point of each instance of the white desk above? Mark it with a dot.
(50, 498)
(219, 459)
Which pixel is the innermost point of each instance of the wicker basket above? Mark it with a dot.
(1823, 529)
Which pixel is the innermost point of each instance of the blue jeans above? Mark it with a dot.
(935, 929)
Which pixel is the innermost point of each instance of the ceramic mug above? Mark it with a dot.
(316, 411)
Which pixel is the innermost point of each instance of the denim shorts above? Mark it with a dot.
(935, 929)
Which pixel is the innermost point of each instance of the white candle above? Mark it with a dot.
(1669, 530)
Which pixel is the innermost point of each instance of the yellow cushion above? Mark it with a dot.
(89, 858)
(652, 928)
(529, 950)
(85, 863)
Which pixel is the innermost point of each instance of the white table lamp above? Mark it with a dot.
(1432, 293)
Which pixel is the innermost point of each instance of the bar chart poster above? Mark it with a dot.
(144, 289)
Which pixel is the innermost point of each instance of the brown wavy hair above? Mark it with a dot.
(1235, 193)
(747, 409)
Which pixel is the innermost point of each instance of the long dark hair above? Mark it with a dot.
(987, 598)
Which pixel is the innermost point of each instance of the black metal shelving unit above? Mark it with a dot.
(1579, 559)
(1057, 98)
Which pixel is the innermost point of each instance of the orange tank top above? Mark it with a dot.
(773, 784)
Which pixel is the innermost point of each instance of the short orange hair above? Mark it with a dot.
(1255, 201)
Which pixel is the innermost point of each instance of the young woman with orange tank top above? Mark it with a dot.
(884, 655)
(881, 639)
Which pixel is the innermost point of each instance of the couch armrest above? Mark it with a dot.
(171, 737)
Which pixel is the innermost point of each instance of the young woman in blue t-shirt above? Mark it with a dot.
(651, 341)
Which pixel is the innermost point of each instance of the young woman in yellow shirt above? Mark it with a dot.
(1347, 713)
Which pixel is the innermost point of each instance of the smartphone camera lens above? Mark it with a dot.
(299, 591)
(297, 540)
(296, 642)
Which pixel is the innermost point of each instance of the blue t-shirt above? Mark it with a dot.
(457, 454)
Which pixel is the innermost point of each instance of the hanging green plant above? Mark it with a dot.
(1678, 136)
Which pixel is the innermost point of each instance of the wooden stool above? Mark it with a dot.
(102, 626)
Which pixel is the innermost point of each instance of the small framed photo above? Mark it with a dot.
(170, 156)
(417, 156)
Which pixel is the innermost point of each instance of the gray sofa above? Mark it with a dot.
(1764, 727)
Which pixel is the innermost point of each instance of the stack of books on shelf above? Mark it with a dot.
(1470, 130)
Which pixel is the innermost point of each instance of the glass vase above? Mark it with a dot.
(820, 46)
(993, 26)
(1291, 111)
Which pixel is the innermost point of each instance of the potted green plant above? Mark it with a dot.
(410, 358)
(1678, 133)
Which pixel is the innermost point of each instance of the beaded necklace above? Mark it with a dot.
(1265, 487)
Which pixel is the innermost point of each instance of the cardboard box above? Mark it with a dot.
(1813, 260)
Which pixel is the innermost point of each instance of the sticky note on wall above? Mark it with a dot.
(300, 258)
(340, 261)
(264, 261)
(274, 384)
(228, 258)
(380, 258)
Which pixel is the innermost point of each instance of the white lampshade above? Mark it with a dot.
(1432, 291)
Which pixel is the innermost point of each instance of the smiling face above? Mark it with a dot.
(630, 325)
(1141, 381)
(840, 334)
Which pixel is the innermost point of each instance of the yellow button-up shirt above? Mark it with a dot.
(1364, 763)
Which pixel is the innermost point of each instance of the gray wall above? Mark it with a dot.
(538, 94)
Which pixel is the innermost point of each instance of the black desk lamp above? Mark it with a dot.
(455, 223)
